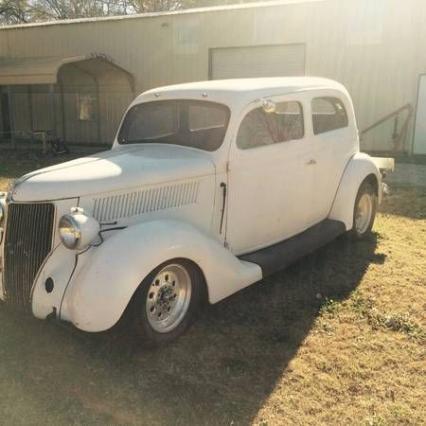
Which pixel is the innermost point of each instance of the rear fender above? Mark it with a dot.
(359, 167)
(103, 286)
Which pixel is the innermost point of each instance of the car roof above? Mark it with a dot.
(242, 89)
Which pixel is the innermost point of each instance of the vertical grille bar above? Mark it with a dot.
(29, 232)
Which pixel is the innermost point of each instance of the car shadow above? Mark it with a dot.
(220, 372)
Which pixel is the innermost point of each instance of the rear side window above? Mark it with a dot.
(260, 128)
(328, 114)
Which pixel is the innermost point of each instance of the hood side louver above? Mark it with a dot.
(107, 209)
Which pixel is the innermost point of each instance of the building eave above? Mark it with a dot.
(192, 11)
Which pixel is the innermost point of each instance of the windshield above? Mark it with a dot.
(197, 124)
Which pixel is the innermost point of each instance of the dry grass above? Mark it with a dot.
(338, 338)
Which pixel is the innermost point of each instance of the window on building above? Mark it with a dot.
(328, 114)
(260, 128)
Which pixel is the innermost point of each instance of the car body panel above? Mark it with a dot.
(331, 152)
(358, 168)
(101, 289)
(268, 187)
(125, 167)
(157, 202)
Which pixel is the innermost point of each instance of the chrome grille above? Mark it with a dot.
(28, 241)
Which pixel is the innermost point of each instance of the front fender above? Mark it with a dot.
(101, 289)
(359, 167)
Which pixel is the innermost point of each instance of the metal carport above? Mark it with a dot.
(78, 99)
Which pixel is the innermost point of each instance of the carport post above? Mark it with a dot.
(30, 110)
(98, 109)
(11, 116)
(61, 90)
(53, 107)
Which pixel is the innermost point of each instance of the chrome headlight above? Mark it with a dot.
(77, 230)
(69, 231)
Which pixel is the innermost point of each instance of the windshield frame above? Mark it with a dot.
(121, 135)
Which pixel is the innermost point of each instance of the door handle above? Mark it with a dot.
(311, 162)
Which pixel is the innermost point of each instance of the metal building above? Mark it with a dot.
(73, 79)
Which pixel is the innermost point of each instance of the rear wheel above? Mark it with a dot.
(364, 210)
(167, 301)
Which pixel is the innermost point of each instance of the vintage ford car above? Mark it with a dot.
(208, 188)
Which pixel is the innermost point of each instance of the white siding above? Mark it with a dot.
(375, 50)
(257, 61)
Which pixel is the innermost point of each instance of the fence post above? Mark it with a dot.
(44, 142)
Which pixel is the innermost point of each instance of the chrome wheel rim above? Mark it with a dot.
(363, 213)
(168, 298)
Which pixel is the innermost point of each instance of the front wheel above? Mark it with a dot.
(364, 211)
(167, 301)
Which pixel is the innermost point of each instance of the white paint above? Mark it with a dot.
(273, 194)
(3, 205)
(420, 129)
(359, 167)
(384, 164)
(331, 152)
(270, 189)
(110, 171)
(258, 61)
(111, 273)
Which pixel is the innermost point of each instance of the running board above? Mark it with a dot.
(278, 256)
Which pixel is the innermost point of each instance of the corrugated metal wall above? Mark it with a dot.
(374, 47)
(257, 61)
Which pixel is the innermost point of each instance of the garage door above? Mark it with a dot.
(257, 61)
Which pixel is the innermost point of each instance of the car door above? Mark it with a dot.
(270, 181)
(333, 145)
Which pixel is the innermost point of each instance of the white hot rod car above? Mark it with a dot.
(208, 188)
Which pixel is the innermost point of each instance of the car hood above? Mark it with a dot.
(114, 170)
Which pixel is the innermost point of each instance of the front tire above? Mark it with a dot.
(167, 302)
(364, 211)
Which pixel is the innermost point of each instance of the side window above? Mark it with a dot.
(260, 128)
(328, 114)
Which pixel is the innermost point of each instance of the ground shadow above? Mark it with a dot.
(220, 372)
(404, 200)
